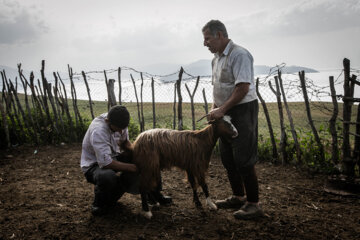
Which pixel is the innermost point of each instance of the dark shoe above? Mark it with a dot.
(99, 211)
(230, 202)
(249, 211)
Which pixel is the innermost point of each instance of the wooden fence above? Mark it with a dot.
(49, 110)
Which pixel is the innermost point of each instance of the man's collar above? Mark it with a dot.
(228, 47)
(226, 50)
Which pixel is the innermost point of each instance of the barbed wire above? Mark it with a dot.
(291, 84)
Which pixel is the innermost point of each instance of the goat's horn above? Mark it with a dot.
(202, 117)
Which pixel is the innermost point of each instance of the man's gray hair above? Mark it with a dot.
(214, 27)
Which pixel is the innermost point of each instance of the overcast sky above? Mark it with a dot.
(97, 35)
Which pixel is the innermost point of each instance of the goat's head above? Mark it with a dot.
(224, 127)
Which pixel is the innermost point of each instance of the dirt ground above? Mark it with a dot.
(43, 195)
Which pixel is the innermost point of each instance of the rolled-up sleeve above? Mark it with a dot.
(242, 69)
(102, 148)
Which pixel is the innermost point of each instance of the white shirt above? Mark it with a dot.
(100, 144)
(235, 65)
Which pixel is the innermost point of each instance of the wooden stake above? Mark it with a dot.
(268, 120)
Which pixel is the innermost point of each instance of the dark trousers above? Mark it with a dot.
(240, 154)
(110, 186)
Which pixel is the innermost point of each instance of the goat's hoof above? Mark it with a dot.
(147, 215)
(211, 204)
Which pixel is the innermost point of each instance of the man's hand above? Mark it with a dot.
(241, 89)
(216, 114)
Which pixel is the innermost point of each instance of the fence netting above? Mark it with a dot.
(317, 86)
(166, 97)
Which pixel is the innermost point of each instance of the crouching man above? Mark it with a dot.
(106, 161)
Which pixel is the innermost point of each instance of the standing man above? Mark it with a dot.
(234, 94)
(104, 153)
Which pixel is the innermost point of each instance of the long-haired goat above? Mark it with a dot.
(158, 149)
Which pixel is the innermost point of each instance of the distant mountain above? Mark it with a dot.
(203, 68)
(262, 69)
(295, 69)
(199, 68)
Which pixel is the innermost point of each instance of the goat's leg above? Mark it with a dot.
(209, 202)
(145, 206)
(193, 186)
(155, 195)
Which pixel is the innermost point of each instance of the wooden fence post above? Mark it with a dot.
(4, 114)
(268, 120)
(141, 101)
(5, 124)
(137, 104)
(206, 107)
(293, 131)
(174, 107)
(78, 118)
(52, 103)
(332, 124)
(44, 95)
(40, 93)
(111, 92)
(107, 90)
(178, 86)
(356, 152)
(22, 113)
(192, 101)
(89, 95)
(308, 113)
(72, 132)
(34, 97)
(56, 91)
(153, 102)
(120, 89)
(34, 128)
(348, 161)
(283, 138)
(45, 101)
(73, 97)
(10, 104)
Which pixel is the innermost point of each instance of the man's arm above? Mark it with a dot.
(237, 95)
(102, 148)
(120, 166)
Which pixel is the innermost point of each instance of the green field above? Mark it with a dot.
(164, 117)
(321, 113)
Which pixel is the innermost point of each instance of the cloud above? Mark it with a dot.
(137, 46)
(303, 18)
(321, 16)
(19, 24)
